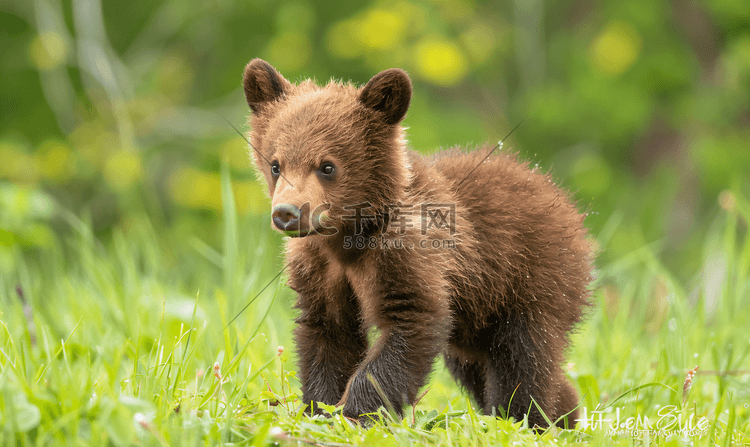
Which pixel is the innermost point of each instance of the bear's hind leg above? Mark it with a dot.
(469, 374)
(567, 402)
(519, 368)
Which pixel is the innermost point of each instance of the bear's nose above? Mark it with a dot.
(286, 217)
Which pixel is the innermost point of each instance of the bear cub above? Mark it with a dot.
(475, 257)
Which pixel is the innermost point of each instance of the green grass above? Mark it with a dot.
(115, 342)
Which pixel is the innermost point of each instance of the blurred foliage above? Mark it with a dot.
(113, 111)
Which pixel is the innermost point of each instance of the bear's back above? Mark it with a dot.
(516, 222)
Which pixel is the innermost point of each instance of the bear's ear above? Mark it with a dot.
(388, 92)
(263, 84)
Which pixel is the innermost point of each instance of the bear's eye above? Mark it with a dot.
(327, 169)
(275, 169)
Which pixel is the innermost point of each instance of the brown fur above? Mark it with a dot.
(499, 305)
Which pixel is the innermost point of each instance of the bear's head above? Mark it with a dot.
(333, 156)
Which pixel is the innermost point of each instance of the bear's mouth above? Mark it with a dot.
(296, 233)
(292, 228)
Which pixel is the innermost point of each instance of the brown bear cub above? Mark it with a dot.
(476, 257)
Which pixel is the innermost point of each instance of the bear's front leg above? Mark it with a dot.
(329, 349)
(413, 332)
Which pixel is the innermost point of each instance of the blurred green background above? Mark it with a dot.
(112, 111)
